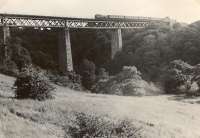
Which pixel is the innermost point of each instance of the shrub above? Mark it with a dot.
(9, 68)
(91, 126)
(32, 84)
(71, 80)
(102, 74)
(128, 82)
(179, 76)
(88, 73)
(182, 78)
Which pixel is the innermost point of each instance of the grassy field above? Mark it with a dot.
(159, 116)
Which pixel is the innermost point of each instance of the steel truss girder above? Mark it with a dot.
(45, 22)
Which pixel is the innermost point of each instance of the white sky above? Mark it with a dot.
(181, 10)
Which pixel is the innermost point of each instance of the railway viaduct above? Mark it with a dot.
(65, 24)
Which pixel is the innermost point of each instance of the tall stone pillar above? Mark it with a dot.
(116, 42)
(65, 53)
(6, 34)
(6, 37)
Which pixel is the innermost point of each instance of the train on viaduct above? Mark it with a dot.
(114, 22)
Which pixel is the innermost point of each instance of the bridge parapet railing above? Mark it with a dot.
(32, 22)
(104, 24)
(58, 22)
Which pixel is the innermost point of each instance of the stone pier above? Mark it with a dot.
(6, 37)
(65, 52)
(6, 34)
(116, 42)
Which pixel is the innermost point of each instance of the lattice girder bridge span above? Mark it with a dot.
(65, 23)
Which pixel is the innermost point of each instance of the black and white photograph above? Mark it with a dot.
(99, 68)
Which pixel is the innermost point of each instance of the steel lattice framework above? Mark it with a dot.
(14, 20)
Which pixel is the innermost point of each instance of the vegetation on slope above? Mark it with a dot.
(157, 116)
(128, 82)
(150, 50)
(153, 51)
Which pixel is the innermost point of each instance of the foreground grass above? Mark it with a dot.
(159, 116)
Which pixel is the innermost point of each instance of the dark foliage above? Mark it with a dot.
(31, 84)
(179, 74)
(102, 74)
(87, 72)
(18, 57)
(41, 44)
(93, 45)
(152, 49)
(9, 68)
(19, 54)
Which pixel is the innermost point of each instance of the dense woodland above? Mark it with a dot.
(150, 50)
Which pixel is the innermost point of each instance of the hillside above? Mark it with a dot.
(159, 116)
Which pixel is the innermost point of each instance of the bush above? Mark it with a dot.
(88, 73)
(71, 80)
(128, 82)
(179, 77)
(102, 74)
(9, 68)
(182, 78)
(91, 126)
(32, 84)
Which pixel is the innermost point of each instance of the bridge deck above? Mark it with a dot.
(14, 20)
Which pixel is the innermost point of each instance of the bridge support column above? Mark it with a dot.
(65, 53)
(116, 42)
(6, 34)
(6, 37)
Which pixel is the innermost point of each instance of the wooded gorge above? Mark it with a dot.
(150, 50)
